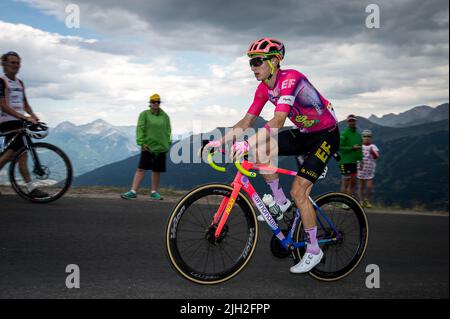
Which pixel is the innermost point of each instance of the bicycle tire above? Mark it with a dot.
(64, 188)
(320, 272)
(174, 244)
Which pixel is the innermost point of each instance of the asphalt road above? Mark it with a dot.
(119, 248)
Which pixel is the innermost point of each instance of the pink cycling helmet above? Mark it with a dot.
(267, 46)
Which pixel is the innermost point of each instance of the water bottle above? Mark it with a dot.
(274, 209)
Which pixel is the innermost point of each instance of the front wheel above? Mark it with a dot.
(342, 226)
(192, 248)
(44, 167)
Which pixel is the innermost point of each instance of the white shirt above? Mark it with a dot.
(368, 170)
(15, 97)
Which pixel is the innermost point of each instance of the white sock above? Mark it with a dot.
(133, 191)
(31, 187)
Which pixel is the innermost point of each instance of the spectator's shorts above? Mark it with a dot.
(11, 126)
(150, 161)
(348, 170)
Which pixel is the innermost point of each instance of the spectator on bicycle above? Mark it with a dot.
(366, 172)
(351, 154)
(13, 109)
(316, 134)
(153, 135)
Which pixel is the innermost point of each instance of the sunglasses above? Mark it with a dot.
(155, 102)
(258, 61)
(367, 136)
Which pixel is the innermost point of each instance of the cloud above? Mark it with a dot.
(203, 24)
(83, 84)
(361, 70)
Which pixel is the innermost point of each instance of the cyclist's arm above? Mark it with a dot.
(4, 107)
(259, 100)
(266, 136)
(239, 128)
(28, 108)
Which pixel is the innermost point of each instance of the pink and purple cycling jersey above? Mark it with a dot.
(294, 94)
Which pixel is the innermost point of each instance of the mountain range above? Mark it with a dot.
(99, 143)
(417, 115)
(94, 144)
(412, 171)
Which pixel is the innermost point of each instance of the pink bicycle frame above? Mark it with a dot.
(241, 182)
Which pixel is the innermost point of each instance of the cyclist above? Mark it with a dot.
(316, 135)
(13, 106)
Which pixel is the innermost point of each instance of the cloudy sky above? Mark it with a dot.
(193, 54)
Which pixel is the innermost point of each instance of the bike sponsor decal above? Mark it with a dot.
(230, 206)
(294, 225)
(204, 277)
(176, 220)
(249, 245)
(264, 211)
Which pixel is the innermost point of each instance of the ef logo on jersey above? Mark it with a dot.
(287, 84)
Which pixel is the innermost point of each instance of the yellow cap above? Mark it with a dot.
(155, 97)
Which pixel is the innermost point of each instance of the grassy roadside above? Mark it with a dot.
(173, 195)
(114, 192)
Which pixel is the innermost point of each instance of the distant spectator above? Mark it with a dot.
(14, 109)
(153, 135)
(351, 153)
(366, 172)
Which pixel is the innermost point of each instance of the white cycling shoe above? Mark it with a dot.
(284, 208)
(308, 262)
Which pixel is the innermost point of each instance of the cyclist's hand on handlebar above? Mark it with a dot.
(214, 144)
(239, 149)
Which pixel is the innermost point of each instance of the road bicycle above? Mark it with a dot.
(212, 232)
(44, 165)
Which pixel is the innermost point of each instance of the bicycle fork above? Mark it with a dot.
(37, 169)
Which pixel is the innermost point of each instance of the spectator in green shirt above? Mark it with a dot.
(351, 153)
(153, 135)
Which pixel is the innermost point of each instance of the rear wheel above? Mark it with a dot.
(192, 248)
(347, 231)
